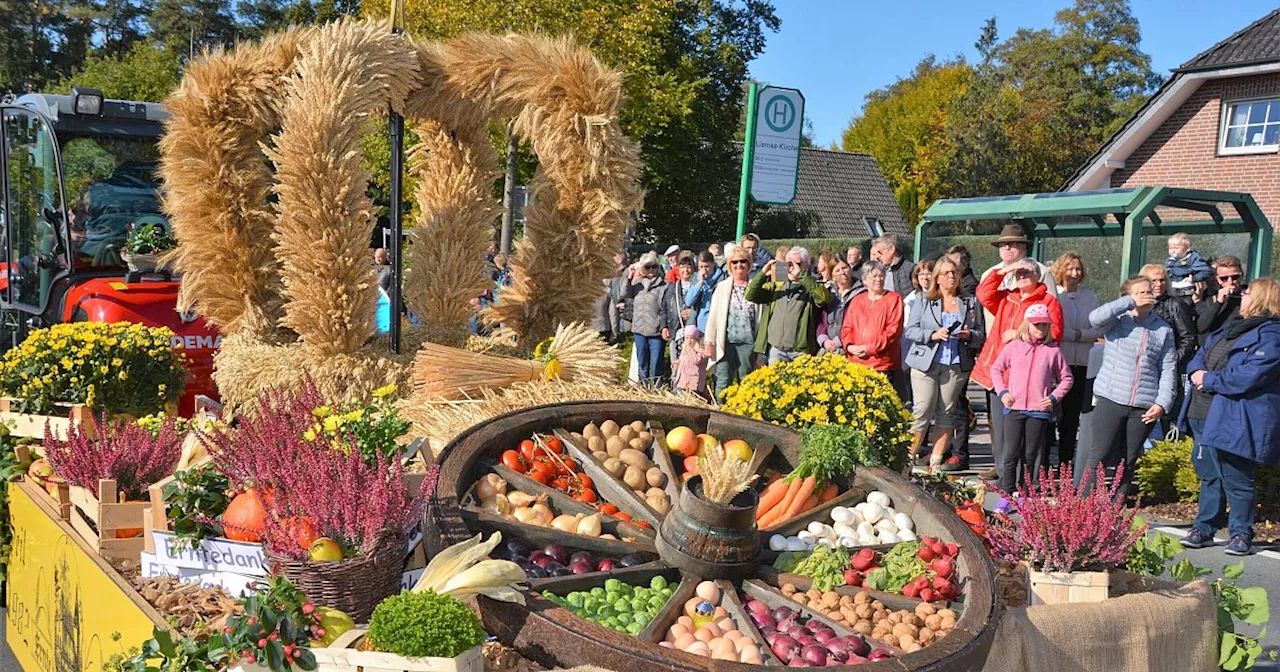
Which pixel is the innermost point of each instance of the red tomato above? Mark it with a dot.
(608, 509)
(537, 476)
(569, 464)
(585, 481)
(622, 515)
(547, 472)
(511, 460)
(561, 484)
(528, 450)
(588, 495)
(643, 523)
(554, 444)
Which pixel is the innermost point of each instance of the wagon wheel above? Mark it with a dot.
(623, 642)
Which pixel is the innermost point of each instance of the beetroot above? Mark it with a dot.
(852, 577)
(927, 595)
(925, 553)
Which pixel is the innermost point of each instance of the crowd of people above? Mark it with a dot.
(1186, 344)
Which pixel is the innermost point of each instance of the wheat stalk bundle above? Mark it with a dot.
(583, 356)
(724, 475)
(325, 220)
(444, 373)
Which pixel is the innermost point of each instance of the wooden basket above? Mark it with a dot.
(1067, 587)
(32, 426)
(56, 495)
(342, 656)
(107, 525)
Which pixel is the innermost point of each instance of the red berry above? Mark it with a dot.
(308, 608)
(320, 632)
(253, 620)
(274, 636)
(262, 643)
(227, 630)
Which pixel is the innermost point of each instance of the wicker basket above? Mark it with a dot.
(354, 586)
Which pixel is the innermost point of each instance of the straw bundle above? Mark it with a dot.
(444, 373)
(441, 421)
(325, 219)
(583, 356)
(456, 208)
(217, 181)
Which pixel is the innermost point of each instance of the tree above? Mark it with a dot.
(147, 73)
(190, 26)
(39, 43)
(978, 148)
(684, 63)
(112, 26)
(905, 126)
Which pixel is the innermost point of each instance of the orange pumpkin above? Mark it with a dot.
(245, 518)
(302, 529)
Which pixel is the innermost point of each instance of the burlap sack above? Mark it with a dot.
(1173, 629)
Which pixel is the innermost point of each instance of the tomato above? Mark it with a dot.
(569, 464)
(528, 450)
(622, 515)
(538, 476)
(554, 444)
(511, 460)
(584, 481)
(561, 484)
(608, 509)
(643, 523)
(588, 495)
(545, 470)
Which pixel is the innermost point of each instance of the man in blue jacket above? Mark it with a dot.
(698, 298)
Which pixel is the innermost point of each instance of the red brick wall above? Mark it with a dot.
(1183, 151)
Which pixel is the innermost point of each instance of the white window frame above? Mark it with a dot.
(1225, 120)
(874, 225)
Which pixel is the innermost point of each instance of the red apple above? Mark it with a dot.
(706, 442)
(691, 465)
(740, 447)
(682, 441)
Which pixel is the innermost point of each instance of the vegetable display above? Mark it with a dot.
(424, 624)
(617, 605)
(625, 451)
(799, 640)
(556, 560)
(866, 616)
(870, 523)
(706, 629)
(825, 565)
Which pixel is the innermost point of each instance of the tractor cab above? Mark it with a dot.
(79, 172)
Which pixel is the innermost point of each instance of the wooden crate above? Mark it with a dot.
(100, 520)
(1067, 587)
(342, 656)
(56, 496)
(33, 426)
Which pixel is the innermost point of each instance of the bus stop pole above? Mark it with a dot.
(748, 159)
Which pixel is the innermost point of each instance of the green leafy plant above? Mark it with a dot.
(1235, 603)
(194, 500)
(1165, 473)
(424, 624)
(150, 238)
(1150, 556)
(162, 653)
(274, 629)
(901, 566)
(120, 662)
(825, 566)
(375, 427)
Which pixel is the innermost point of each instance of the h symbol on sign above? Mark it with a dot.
(780, 114)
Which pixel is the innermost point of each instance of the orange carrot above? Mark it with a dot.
(770, 497)
(828, 493)
(777, 512)
(809, 503)
(806, 489)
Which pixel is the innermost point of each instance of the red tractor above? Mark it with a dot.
(79, 172)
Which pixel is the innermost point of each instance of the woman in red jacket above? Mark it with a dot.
(873, 325)
(1008, 307)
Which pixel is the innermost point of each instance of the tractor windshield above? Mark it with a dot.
(111, 184)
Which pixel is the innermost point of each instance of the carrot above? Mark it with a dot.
(776, 513)
(828, 493)
(806, 489)
(809, 503)
(770, 497)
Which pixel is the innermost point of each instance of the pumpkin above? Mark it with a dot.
(301, 529)
(245, 518)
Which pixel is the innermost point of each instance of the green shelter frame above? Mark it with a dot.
(1111, 213)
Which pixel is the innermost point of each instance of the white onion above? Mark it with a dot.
(777, 543)
(817, 528)
(886, 525)
(829, 543)
(867, 540)
(805, 535)
(794, 544)
(907, 535)
(903, 521)
(841, 514)
(565, 522)
(844, 530)
(879, 498)
(888, 538)
(888, 511)
(849, 542)
(872, 512)
(865, 529)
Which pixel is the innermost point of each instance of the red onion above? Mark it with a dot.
(785, 648)
(769, 637)
(814, 655)
(879, 654)
(798, 662)
(823, 636)
(806, 640)
(783, 612)
(757, 607)
(763, 619)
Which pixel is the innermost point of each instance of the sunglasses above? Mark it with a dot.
(739, 262)
(1237, 277)
(650, 266)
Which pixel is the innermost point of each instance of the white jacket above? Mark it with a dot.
(718, 319)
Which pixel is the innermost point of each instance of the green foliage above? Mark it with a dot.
(150, 238)
(825, 566)
(1235, 603)
(162, 653)
(375, 427)
(901, 566)
(1165, 473)
(830, 450)
(424, 625)
(147, 73)
(120, 662)
(10, 470)
(194, 499)
(1150, 556)
(273, 631)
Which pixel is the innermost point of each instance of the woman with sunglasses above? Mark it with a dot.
(1232, 412)
(1217, 310)
(648, 316)
(732, 323)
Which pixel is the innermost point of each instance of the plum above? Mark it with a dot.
(557, 551)
(630, 560)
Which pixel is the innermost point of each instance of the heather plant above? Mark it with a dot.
(1063, 528)
(124, 451)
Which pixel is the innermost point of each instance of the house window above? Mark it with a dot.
(1250, 127)
(874, 226)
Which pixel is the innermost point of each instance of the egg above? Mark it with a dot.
(687, 622)
(699, 649)
(675, 631)
(719, 613)
(725, 654)
(708, 591)
(690, 604)
(750, 660)
(714, 629)
(668, 645)
(703, 634)
(749, 651)
(683, 641)
(727, 625)
(721, 644)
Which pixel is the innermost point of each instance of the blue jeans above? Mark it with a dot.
(648, 356)
(1225, 479)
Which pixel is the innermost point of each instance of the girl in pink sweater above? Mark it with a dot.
(691, 372)
(1030, 376)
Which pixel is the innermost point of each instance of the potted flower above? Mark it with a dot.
(149, 237)
(1070, 538)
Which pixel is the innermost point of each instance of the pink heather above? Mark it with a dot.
(344, 497)
(125, 452)
(1065, 529)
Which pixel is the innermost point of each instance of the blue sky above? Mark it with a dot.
(836, 51)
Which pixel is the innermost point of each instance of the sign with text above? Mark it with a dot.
(775, 166)
(235, 584)
(219, 555)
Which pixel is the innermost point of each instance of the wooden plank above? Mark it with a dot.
(127, 516)
(84, 501)
(84, 529)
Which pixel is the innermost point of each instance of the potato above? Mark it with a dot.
(635, 458)
(633, 477)
(637, 444)
(637, 425)
(947, 612)
(615, 446)
(660, 504)
(863, 611)
(948, 623)
(614, 466)
(800, 598)
(626, 433)
(911, 646)
(788, 589)
(578, 438)
(647, 437)
(655, 477)
(926, 635)
(924, 610)
(846, 600)
(933, 622)
(595, 443)
(600, 456)
(590, 430)
(830, 599)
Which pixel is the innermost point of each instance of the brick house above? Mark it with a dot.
(1215, 124)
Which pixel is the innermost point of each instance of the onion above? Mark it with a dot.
(525, 514)
(565, 522)
(498, 504)
(785, 648)
(879, 498)
(589, 526)
(783, 612)
(806, 640)
(519, 498)
(824, 636)
(841, 514)
(763, 619)
(757, 607)
(872, 512)
(490, 485)
(814, 655)
(903, 521)
(777, 543)
(543, 515)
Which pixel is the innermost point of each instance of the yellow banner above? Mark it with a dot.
(64, 607)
